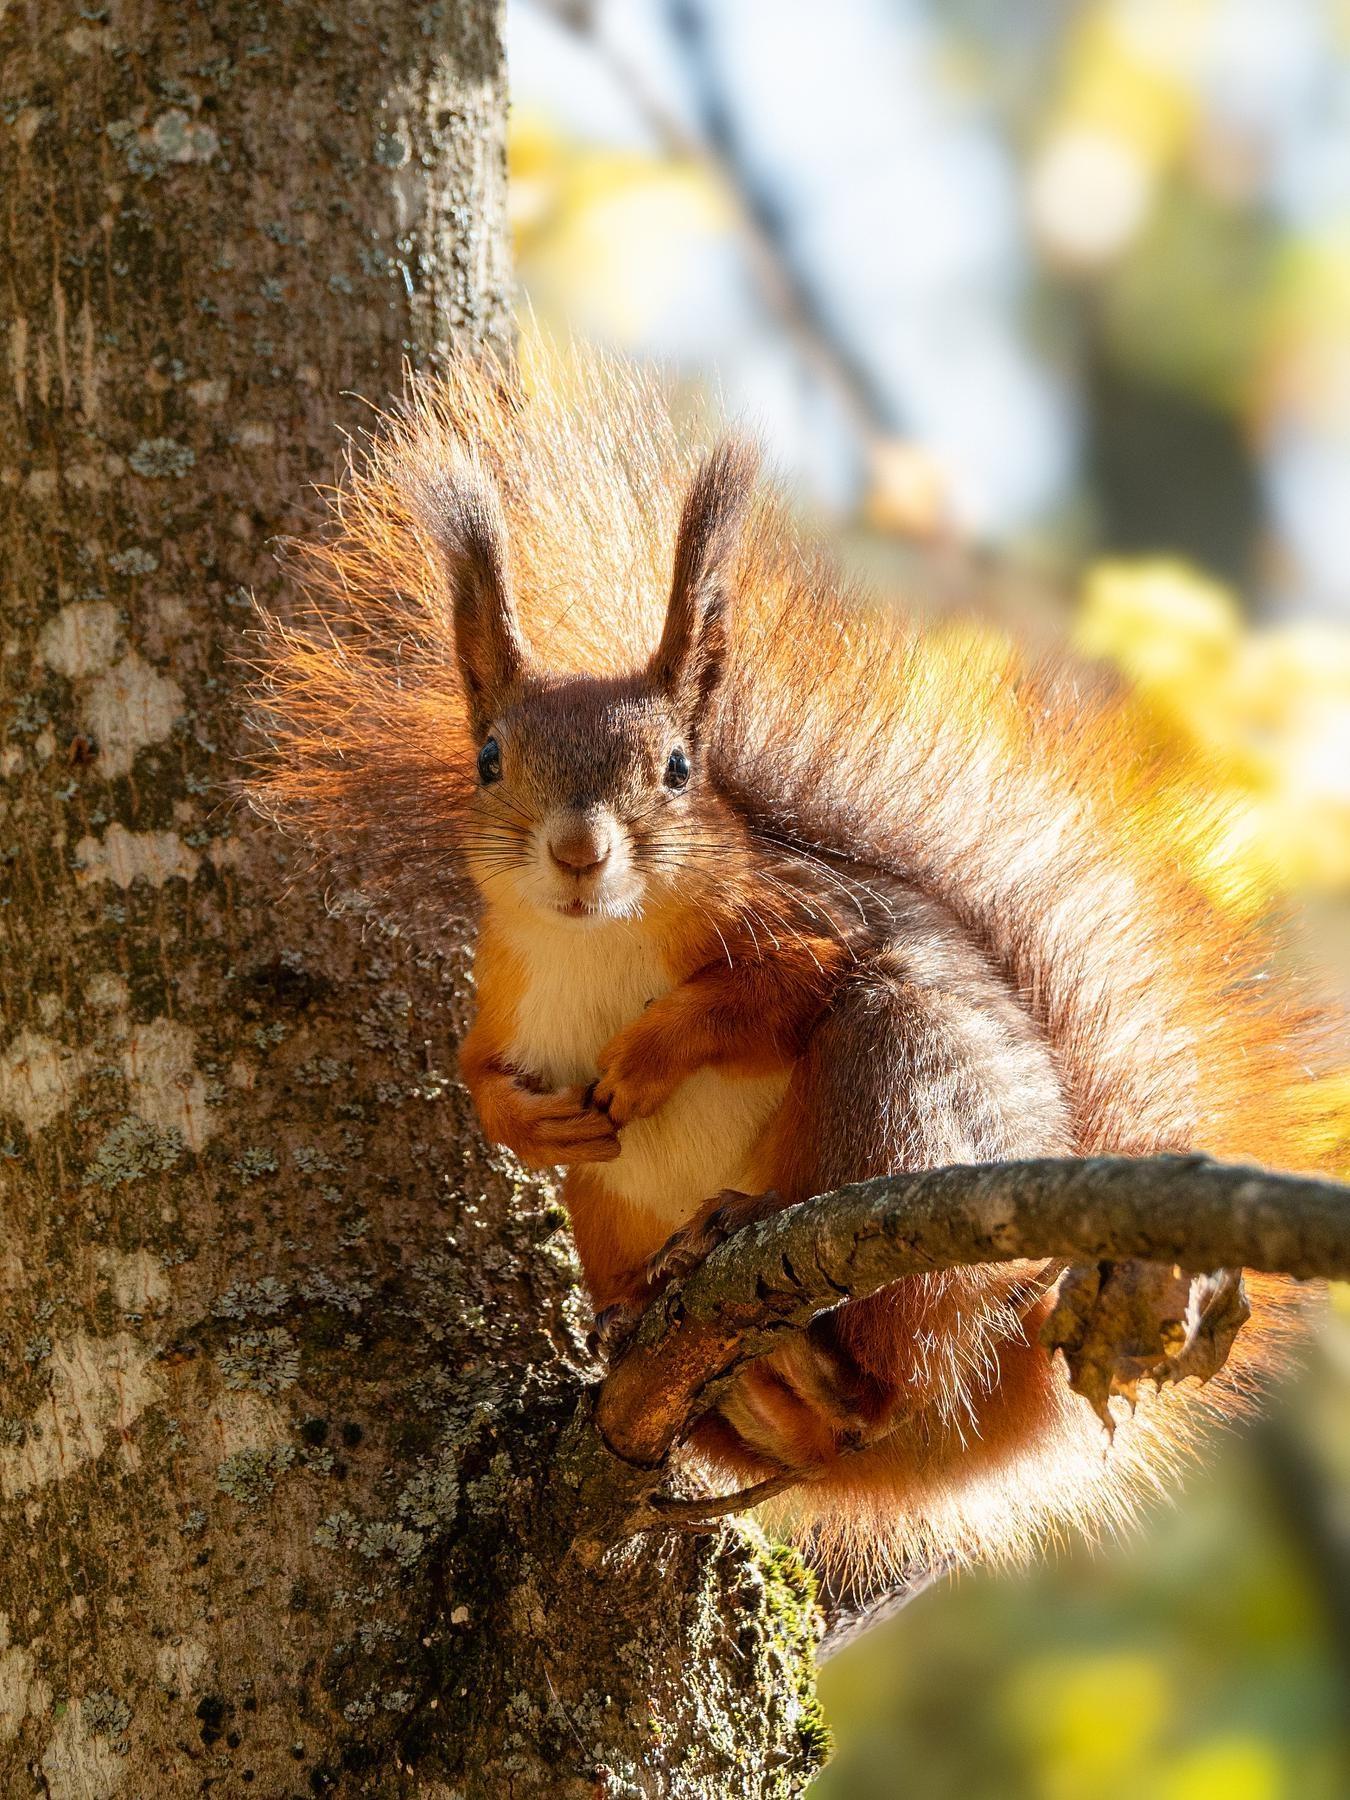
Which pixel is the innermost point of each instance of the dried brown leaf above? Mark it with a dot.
(1118, 1324)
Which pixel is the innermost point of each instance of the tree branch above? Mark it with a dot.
(776, 1276)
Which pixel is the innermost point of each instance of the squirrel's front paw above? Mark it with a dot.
(634, 1082)
(547, 1130)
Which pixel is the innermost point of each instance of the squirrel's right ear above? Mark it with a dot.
(462, 512)
(688, 660)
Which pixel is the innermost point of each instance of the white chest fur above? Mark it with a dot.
(581, 986)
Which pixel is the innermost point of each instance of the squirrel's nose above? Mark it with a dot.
(582, 850)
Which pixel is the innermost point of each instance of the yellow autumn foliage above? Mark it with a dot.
(1124, 72)
(1264, 716)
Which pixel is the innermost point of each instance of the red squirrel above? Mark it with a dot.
(776, 892)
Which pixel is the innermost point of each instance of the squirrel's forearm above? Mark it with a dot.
(752, 1012)
(748, 1016)
(490, 1082)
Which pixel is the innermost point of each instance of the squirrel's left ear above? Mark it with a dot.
(462, 512)
(688, 661)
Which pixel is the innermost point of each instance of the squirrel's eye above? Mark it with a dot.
(490, 762)
(677, 769)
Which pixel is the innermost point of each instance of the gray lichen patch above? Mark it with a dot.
(255, 1163)
(429, 1500)
(132, 1150)
(263, 1298)
(322, 1289)
(162, 458)
(179, 138)
(266, 1361)
(106, 1713)
(250, 1476)
(134, 560)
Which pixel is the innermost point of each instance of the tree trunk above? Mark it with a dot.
(295, 1455)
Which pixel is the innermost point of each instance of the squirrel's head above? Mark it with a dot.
(593, 799)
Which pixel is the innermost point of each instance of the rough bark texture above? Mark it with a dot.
(297, 1489)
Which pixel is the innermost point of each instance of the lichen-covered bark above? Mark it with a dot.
(291, 1463)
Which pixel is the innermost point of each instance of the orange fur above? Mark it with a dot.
(1024, 799)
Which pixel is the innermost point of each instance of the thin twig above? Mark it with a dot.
(846, 1619)
(702, 1510)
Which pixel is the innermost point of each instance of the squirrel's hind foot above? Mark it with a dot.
(612, 1327)
(722, 1217)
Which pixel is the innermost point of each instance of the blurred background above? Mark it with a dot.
(1045, 309)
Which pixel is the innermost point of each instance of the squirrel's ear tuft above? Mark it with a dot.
(688, 661)
(462, 513)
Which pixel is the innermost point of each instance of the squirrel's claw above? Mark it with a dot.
(636, 1074)
(612, 1328)
(681, 1254)
(623, 1097)
(724, 1215)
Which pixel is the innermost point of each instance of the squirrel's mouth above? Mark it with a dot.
(598, 909)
